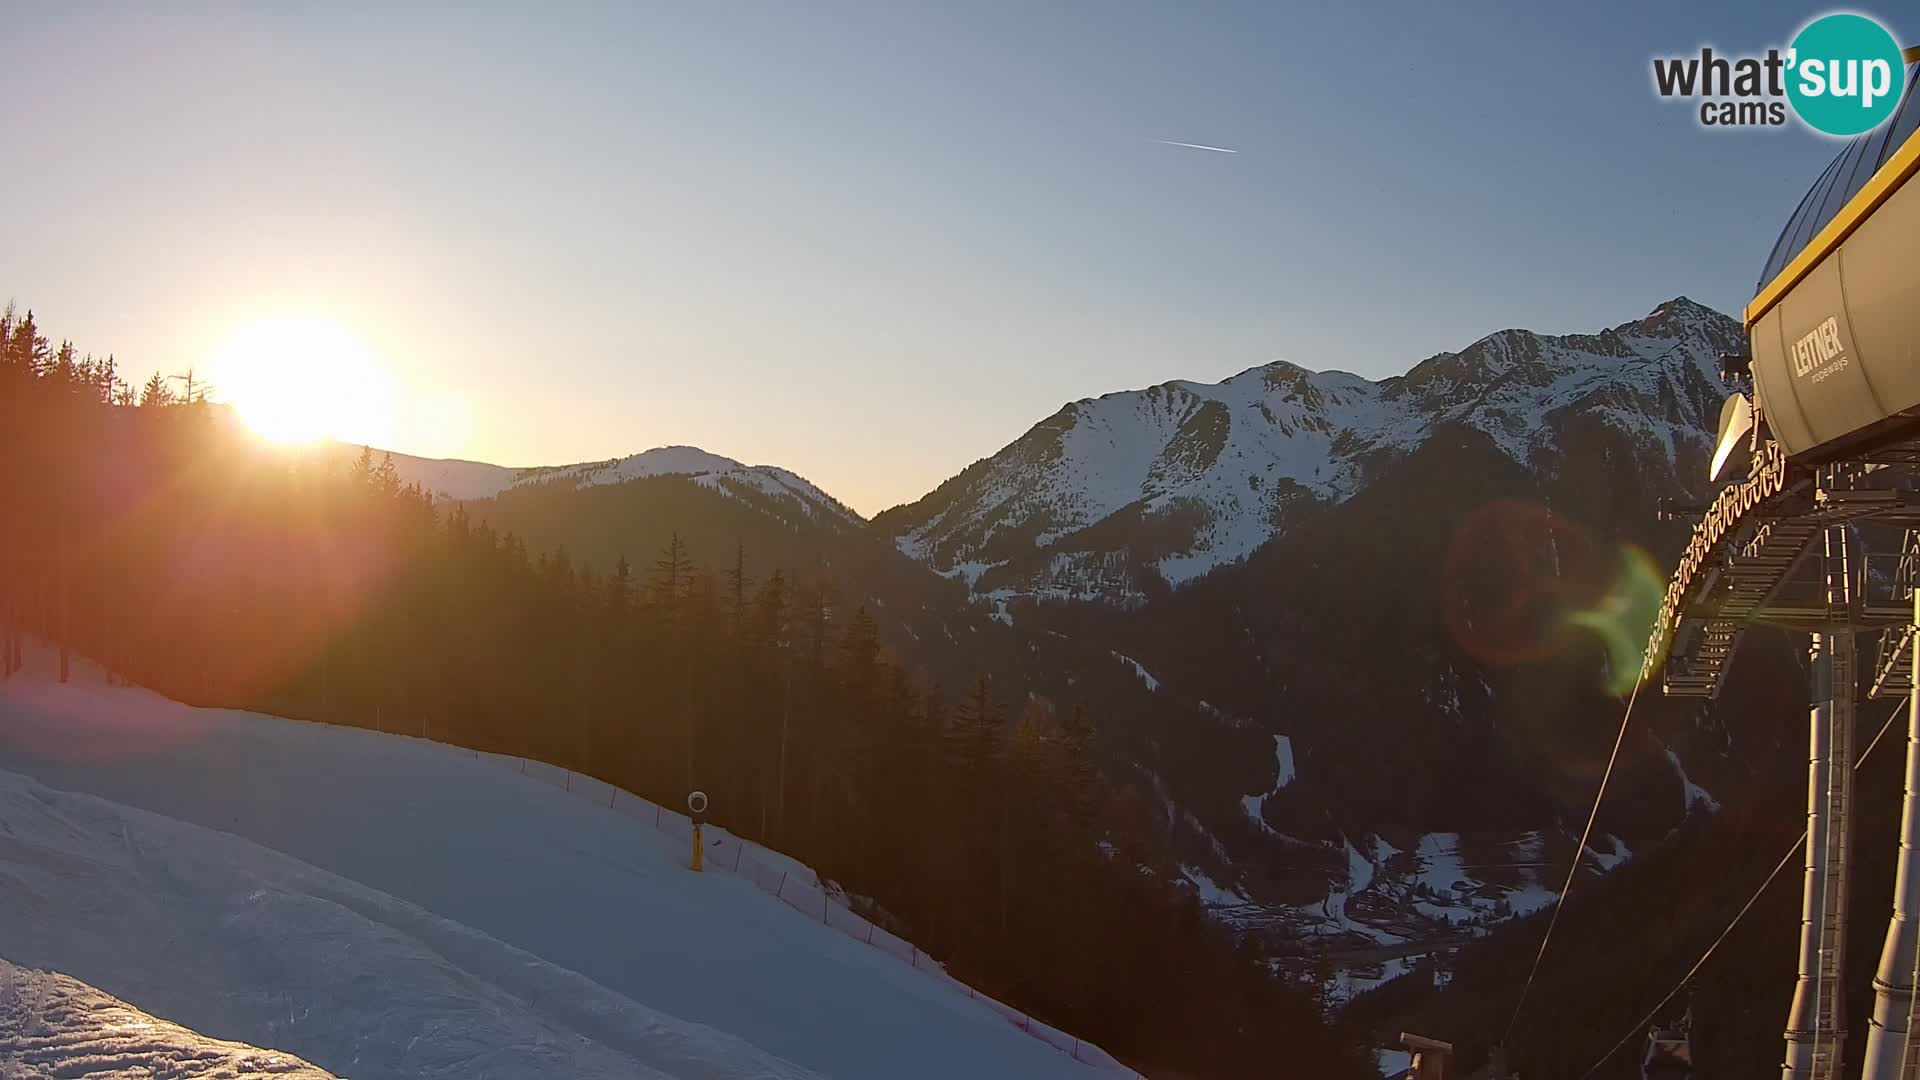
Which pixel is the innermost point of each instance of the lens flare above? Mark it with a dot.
(1524, 585)
(1513, 571)
(1622, 617)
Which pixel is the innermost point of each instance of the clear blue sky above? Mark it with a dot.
(870, 242)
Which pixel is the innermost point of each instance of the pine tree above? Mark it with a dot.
(773, 632)
(30, 347)
(386, 478)
(861, 655)
(619, 596)
(156, 393)
(1079, 786)
(113, 389)
(738, 586)
(975, 762)
(361, 473)
(65, 372)
(671, 573)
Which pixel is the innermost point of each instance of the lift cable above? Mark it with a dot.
(1573, 870)
(1741, 914)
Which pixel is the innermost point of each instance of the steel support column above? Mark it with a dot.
(1816, 1025)
(1890, 1053)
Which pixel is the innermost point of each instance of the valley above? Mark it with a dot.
(1201, 565)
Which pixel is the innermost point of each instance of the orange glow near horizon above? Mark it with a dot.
(297, 380)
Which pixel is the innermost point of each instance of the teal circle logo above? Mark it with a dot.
(1844, 74)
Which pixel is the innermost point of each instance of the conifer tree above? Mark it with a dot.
(156, 393)
(671, 572)
(738, 586)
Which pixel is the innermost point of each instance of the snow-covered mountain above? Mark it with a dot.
(719, 510)
(1175, 480)
(464, 480)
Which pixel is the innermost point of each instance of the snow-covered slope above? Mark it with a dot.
(241, 941)
(387, 907)
(459, 480)
(56, 1025)
(1184, 477)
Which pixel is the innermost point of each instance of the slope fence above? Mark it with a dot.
(796, 885)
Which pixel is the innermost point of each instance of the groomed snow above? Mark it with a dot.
(456, 919)
(242, 942)
(53, 1025)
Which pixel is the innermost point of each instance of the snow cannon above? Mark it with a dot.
(697, 807)
(1835, 323)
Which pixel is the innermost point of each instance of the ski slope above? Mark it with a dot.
(388, 907)
(240, 942)
(55, 1025)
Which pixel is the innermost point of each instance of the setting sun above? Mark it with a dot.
(299, 380)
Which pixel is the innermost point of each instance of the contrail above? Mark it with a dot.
(1196, 146)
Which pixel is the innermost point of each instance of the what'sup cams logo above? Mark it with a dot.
(1842, 75)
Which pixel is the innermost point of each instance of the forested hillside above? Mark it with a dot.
(160, 539)
(927, 620)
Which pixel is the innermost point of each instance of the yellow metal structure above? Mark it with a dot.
(1884, 183)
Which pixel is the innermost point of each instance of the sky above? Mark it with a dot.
(870, 242)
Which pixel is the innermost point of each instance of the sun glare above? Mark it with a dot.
(300, 380)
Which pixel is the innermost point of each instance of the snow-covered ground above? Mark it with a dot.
(1285, 772)
(1409, 898)
(387, 907)
(1695, 795)
(242, 942)
(1211, 892)
(1350, 982)
(1333, 910)
(54, 1025)
(1255, 806)
(1139, 671)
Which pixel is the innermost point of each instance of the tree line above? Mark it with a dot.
(148, 532)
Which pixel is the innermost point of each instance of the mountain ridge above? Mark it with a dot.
(1116, 496)
(460, 480)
